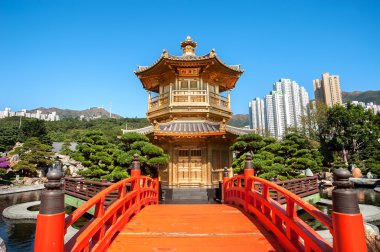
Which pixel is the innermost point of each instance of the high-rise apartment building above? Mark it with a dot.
(327, 90)
(274, 114)
(284, 108)
(257, 115)
(295, 101)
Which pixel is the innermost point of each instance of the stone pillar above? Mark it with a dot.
(51, 219)
(348, 227)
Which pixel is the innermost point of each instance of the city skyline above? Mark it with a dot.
(76, 55)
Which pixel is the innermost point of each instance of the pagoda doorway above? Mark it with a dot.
(190, 165)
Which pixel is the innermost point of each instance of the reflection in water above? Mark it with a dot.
(365, 196)
(18, 235)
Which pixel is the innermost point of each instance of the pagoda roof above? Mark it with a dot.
(167, 67)
(239, 131)
(190, 128)
(186, 58)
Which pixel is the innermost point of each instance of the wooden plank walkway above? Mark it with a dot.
(193, 228)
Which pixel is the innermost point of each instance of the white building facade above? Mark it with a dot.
(283, 109)
(257, 115)
(38, 115)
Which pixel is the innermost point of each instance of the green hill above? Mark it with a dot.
(366, 96)
(91, 113)
(239, 120)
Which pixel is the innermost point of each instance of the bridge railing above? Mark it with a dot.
(254, 195)
(86, 189)
(133, 194)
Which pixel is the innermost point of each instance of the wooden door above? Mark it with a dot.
(189, 167)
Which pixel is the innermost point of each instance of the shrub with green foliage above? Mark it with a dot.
(105, 160)
(33, 155)
(272, 159)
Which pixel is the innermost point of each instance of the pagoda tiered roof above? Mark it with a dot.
(186, 58)
(210, 66)
(191, 128)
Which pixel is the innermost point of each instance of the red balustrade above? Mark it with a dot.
(259, 197)
(294, 233)
(97, 234)
(109, 217)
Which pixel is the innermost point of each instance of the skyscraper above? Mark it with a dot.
(284, 108)
(275, 114)
(295, 101)
(257, 115)
(327, 90)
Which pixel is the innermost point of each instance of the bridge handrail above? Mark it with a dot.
(253, 194)
(312, 210)
(97, 233)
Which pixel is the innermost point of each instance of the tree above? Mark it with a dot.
(283, 159)
(9, 136)
(348, 131)
(105, 160)
(33, 155)
(151, 157)
(35, 128)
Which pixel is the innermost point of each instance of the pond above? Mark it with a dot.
(365, 196)
(18, 235)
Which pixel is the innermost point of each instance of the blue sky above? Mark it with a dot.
(79, 54)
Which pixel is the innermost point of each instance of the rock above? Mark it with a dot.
(308, 173)
(370, 175)
(377, 189)
(356, 173)
(3, 248)
(373, 242)
(326, 182)
(327, 176)
(15, 158)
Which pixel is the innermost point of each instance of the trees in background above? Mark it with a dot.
(34, 155)
(350, 135)
(277, 159)
(105, 160)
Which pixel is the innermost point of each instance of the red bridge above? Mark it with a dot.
(250, 218)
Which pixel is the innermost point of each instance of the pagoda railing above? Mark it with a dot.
(219, 100)
(188, 98)
(254, 195)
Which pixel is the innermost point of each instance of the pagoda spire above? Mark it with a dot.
(188, 47)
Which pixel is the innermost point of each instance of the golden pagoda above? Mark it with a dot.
(188, 107)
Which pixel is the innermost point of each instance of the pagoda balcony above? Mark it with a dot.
(188, 100)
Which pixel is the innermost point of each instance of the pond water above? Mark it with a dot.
(18, 235)
(365, 196)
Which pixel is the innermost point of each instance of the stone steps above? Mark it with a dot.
(190, 194)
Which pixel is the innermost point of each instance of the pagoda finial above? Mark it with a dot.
(188, 47)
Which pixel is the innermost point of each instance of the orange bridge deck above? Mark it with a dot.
(193, 228)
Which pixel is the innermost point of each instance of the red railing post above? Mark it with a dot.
(136, 173)
(347, 221)
(157, 189)
(224, 185)
(248, 172)
(50, 228)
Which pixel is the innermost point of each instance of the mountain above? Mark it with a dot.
(239, 120)
(366, 96)
(91, 113)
